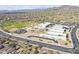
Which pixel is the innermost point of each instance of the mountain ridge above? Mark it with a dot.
(60, 8)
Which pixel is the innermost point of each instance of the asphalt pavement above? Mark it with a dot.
(74, 37)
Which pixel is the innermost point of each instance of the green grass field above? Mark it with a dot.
(7, 25)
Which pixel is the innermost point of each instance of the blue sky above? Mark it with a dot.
(19, 7)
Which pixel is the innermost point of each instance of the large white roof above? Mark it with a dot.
(56, 33)
(43, 25)
(57, 28)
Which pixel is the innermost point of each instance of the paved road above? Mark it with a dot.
(74, 38)
(75, 48)
(68, 50)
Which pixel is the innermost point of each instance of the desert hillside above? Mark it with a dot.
(65, 13)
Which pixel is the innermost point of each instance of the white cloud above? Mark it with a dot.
(39, 2)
